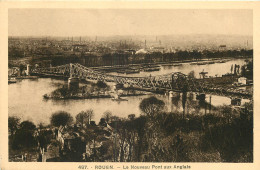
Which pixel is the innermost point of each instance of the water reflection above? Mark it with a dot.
(193, 105)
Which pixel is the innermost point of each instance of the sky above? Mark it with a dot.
(109, 22)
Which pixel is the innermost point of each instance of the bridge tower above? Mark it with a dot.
(28, 71)
(73, 82)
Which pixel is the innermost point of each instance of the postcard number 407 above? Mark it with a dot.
(82, 167)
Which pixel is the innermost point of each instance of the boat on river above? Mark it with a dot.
(199, 63)
(222, 61)
(27, 77)
(151, 69)
(202, 63)
(129, 71)
(167, 64)
(11, 80)
(175, 65)
(149, 66)
(132, 72)
(211, 62)
(120, 71)
(119, 99)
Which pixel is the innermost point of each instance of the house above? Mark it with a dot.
(242, 80)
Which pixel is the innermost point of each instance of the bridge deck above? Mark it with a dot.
(176, 81)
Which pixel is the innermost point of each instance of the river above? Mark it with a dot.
(25, 98)
(212, 69)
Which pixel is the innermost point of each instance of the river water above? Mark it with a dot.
(216, 69)
(26, 97)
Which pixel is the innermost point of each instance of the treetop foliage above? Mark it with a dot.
(61, 118)
(151, 106)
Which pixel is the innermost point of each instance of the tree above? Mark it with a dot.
(107, 116)
(131, 116)
(21, 68)
(41, 126)
(90, 113)
(247, 70)
(115, 118)
(184, 98)
(44, 138)
(27, 126)
(226, 111)
(191, 74)
(24, 137)
(151, 106)
(82, 118)
(13, 123)
(243, 70)
(61, 118)
(233, 139)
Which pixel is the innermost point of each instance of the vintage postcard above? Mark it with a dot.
(127, 85)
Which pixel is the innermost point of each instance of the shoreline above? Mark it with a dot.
(89, 97)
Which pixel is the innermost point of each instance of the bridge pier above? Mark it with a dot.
(201, 96)
(174, 94)
(73, 83)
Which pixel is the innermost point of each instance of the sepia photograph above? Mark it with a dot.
(130, 85)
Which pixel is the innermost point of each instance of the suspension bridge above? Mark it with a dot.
(175, 81)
